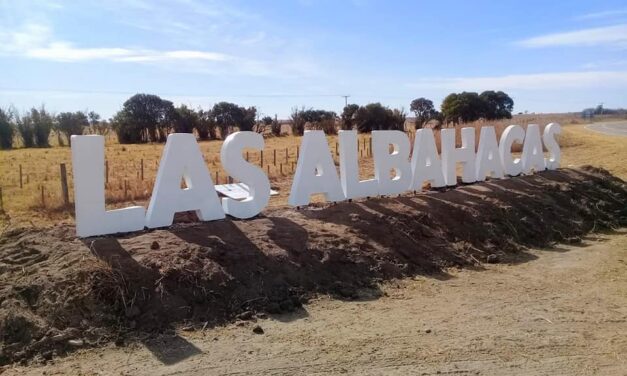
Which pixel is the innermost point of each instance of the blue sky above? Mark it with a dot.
(76, 55)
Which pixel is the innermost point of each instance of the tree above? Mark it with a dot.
(96, 125)
(229, 115)
(72, 123)
(348, 116)
(464, 107)
(317, 119)
(206, 126)
(185, 119)
(423, 110)
(35, 127)
(7, 129)
(275, 127)
(469, 106)
(375, 116)
(498, 105)
(144, 118)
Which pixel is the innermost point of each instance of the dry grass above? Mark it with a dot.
(40, 167)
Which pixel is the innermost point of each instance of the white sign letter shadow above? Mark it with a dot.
(236, 166)
(315, 171)
(488, 159)
(349, 168)
(511, 134)
(425, 162)
(465, 155)
(89, 193)
(182, 159)
(385, 162)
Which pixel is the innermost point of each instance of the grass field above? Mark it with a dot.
(38, 199)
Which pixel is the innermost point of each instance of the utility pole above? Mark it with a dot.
(345, 99)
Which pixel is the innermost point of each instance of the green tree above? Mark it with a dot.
(348, 116)
(375, 116)
(35, 127)
(7, 129)
(497, 105)
(206, 126)
(229, 115)
(144, 118)
(463, 107)
(185, 119)
(72, 123)
(423, 110)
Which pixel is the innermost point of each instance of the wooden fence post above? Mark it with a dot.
(261, 157)
(217, 176)
(1, 202)
(230, 180)
(142, 169)
(106, 172)
(21, 184)
(43, 200)
(297, 152)
(286, 155)
(64, 189)
(274, 159)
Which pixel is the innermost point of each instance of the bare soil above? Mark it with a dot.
(563, 312)
(59, 293)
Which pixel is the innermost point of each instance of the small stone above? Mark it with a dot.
(76, 342)
(428, 331)
(258, 329)
(492, 258)
(155, 245)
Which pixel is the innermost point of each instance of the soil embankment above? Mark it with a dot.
(58, 292)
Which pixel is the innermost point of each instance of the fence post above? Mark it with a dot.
(261, 157)
(297, 152)
(64, 189)
(246, 156)
(286, 155)
(142, 169)
(21, 184)
(1, 202)
(230, 180)
(274, 159)
(43, 200)
(106, 172)
(217, 182)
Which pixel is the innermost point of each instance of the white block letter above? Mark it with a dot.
(385, 162)
(555, 155)
(511, 134)
(488, 160)
(182, 159)
(425, 162)
(349, 168)
(89, 193)
(464, 155)
(237, 167)
(315, 171)
(532, 156)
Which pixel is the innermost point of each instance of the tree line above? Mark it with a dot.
(146, 118)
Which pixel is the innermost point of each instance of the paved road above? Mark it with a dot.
(615, 128)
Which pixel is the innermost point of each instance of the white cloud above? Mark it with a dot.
(615, 36)
(603, 14)
(543, 81)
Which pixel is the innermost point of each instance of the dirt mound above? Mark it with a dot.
(58, 292)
